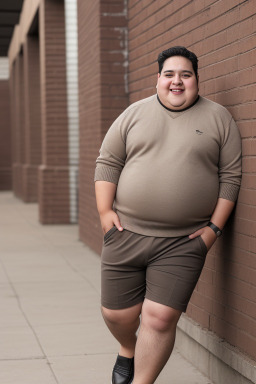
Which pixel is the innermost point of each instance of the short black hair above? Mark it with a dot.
(178, 51)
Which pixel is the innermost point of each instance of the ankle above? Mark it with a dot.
(126, 352)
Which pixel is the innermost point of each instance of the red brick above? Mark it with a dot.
(5, 138)
(222, 35)
(107, 37)
(53, 174)
(198, 313)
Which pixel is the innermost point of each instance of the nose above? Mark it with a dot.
(176, 79)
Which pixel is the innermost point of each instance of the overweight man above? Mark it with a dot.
(166, 181)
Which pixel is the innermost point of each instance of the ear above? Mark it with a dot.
(158, 75)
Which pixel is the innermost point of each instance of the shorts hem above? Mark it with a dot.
(122, 305)
(171, 304)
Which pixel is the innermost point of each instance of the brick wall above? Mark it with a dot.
(17, 124)
(32, 109)
(102, 47)
(20, 121)
(5, 137)
(222, 34)
(73, 103)
(12, 119)
(53, 191)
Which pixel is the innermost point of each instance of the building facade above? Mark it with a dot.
(44, 103)
(74, 66)
(119, 42)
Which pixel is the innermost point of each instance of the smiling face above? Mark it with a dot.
(177, 85)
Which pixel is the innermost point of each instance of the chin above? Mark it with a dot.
(176, 104)
(180, 106)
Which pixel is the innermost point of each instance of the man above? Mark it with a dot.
(171, 165)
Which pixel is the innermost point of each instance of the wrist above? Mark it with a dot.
(104, 211)
(215, 229)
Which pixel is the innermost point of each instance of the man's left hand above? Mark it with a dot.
(207, 234)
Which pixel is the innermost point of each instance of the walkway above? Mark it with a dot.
(51, 330)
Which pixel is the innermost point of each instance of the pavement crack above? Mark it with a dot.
(27, 321)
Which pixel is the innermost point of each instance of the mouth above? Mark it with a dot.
(177, 91)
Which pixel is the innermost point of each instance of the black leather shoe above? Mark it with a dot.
(123, 370)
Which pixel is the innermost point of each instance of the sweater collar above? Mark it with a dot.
(180, 110)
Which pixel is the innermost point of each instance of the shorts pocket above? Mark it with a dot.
(203, 245)
(110, 232)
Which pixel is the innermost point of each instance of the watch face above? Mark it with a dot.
(218, 233)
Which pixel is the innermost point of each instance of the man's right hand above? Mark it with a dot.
(108, 220)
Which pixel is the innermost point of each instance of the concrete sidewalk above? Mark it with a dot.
(51, 330)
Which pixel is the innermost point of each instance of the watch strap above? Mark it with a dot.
(215, 229)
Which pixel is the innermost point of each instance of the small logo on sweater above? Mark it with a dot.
(199, 132)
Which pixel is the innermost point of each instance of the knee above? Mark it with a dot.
(161, 321)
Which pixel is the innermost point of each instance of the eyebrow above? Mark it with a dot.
(171, 70)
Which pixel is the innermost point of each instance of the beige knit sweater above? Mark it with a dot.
(170, 167)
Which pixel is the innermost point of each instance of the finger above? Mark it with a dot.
(118, 224)
(195, 234)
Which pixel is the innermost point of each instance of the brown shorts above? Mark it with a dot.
(162, 269)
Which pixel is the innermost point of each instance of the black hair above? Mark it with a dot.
(178, 51)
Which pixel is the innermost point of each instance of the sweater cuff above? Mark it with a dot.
(107, 174)
(229, 191)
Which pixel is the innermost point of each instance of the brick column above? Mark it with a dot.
(5, 137)
(13, 119)
(32, 118)
(15, 124)
(18, 126)
(54, 172)
(103, 95)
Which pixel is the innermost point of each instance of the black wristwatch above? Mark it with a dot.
(218, 232)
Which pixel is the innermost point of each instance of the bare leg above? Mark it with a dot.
(155, 341)
(123, 324)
